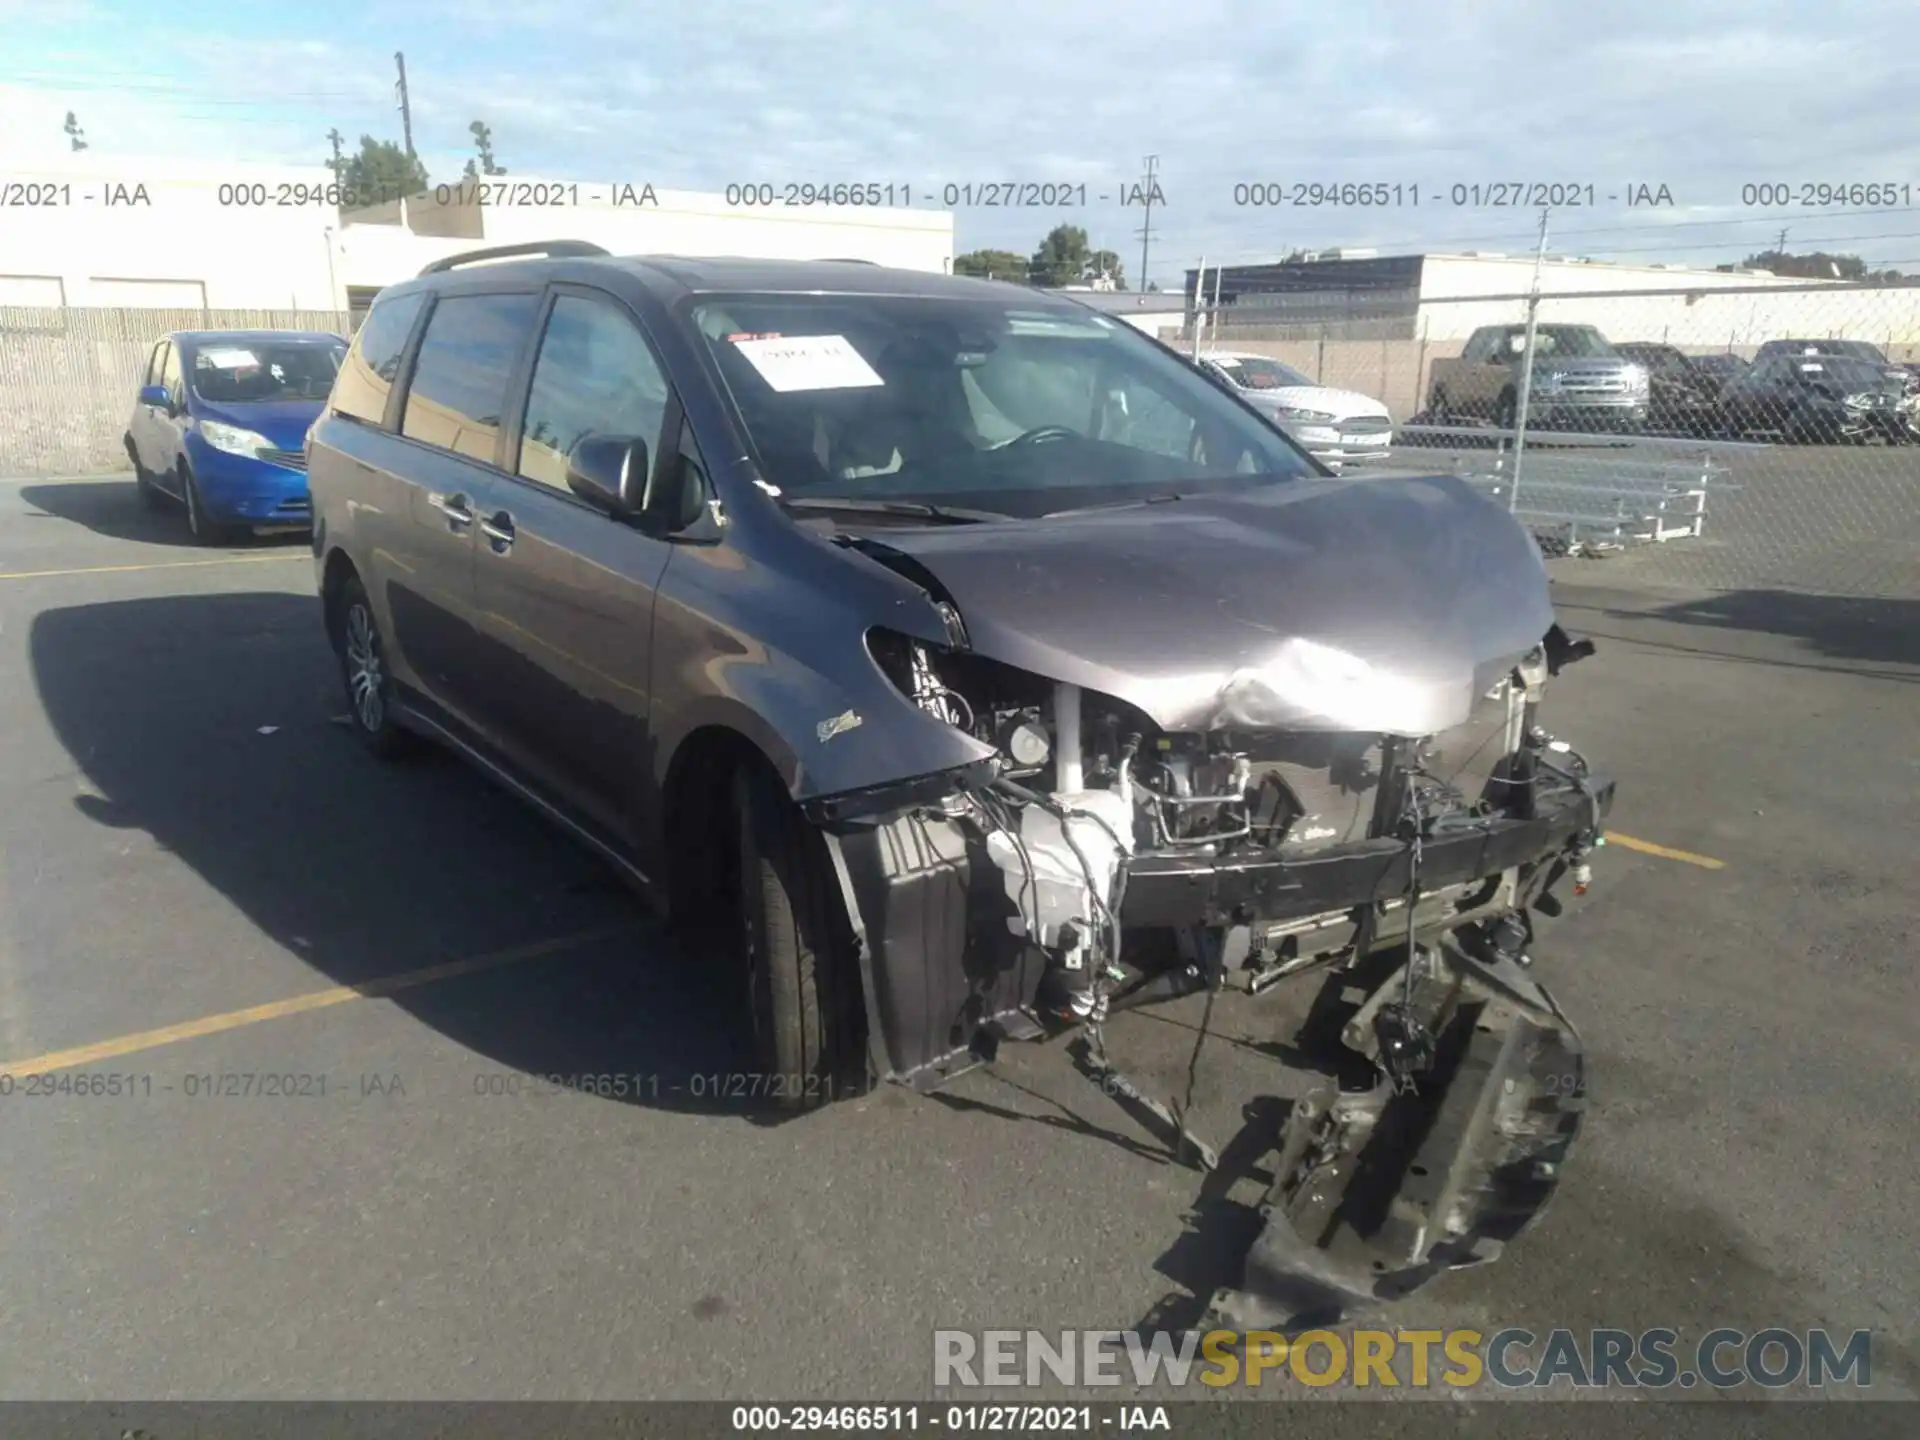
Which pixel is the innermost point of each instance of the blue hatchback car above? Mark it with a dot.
(221, 426)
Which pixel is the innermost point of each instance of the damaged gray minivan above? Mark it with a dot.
(956, 665)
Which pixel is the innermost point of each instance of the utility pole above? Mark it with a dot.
(1781, 247)
(406, 108)
(1526, 367)
(338, 166)
(1146, 228)
(1199, 300)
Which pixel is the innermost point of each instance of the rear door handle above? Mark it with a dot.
(457, 509)
(499, 529)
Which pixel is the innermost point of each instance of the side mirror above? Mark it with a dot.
(609, 472)
(156, 396)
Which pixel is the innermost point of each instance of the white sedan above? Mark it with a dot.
(1332, 424)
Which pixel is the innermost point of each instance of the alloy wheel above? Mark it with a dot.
(365, 673)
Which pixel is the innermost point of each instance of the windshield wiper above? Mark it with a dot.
(1157, 498)
(858, 505)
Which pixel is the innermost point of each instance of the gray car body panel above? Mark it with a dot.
(1224, 610)
(1196, 610)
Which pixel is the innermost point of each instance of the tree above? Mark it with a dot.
(76, 137)
(483, 142)
(1063, 257)
(1820, 265)
(991, 265)
(382, 172)
(1104, 268)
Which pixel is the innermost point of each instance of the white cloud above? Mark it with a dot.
(1700, 96)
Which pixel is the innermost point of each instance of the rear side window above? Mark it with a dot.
(366, 377)
(458, 393)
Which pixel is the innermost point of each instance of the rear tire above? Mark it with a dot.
(150, 494)
(367, 676)
(796, 954)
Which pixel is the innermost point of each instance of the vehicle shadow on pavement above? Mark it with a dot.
(1883, 632)
(208, 721)
(1731, 625)
(116, 511)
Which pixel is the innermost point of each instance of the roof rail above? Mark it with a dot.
(846, 260)
(551, 249)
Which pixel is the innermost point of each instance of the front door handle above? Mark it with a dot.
(499, 529)
(457, 509)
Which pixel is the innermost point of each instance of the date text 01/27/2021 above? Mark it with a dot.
(739, 1087)
(1479, 195)
(993, 1418)
(195, 1085)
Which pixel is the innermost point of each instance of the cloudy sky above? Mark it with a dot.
(1701, 96)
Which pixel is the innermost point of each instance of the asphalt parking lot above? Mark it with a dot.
(196, 864)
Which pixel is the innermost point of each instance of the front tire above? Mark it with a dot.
(367, 677)
(203, 529)
(796, 954)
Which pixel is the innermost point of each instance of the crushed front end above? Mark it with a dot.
(1102, 860)
(1258, 742)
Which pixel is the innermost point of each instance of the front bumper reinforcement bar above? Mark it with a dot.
(1376, 1192)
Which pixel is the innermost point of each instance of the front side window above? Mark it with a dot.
(995, 404)
(170, 374)
(373, 360)
(596, 375)
(1254, 372)
(156, 364)
(459, 388)
(247, 371)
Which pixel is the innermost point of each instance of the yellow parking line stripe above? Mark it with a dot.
(1647, 847)
(155, 565)
(296, 1004)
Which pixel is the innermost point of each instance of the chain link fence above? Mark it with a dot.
(1741, 437)
(1738, 437)
(70, 377)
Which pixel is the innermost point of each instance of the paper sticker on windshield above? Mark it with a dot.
(228, 359)
(809, 362)
(1811, 369)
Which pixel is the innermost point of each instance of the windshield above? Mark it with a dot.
(1579, 341)
(1844, 371)
(1256, 372)
(1000, 405)
(1853, 349)
(252, 370)
(1654, 357)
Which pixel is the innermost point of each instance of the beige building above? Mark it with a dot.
(198, 235)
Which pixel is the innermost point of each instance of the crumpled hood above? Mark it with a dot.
(1382, 606)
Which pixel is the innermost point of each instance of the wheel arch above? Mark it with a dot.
(339, 569)
(696, 803)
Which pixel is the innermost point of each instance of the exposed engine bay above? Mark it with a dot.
(1259, 742)
(1100, 861)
